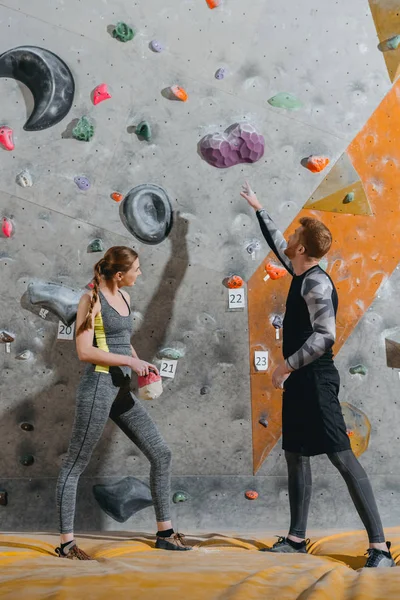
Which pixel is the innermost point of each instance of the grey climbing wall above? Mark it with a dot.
(328, 58)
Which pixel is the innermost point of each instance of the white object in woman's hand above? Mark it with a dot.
(248, 194)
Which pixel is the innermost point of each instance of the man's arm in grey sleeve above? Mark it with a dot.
(317, 292)
(274, 238)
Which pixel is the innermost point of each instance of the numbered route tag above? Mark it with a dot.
(65, 332)
(261, 360)
(237, 298)
(168, 368)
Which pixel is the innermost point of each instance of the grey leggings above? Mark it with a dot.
(97, 399)
(357, 482)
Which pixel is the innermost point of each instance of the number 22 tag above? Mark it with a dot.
(237, 298)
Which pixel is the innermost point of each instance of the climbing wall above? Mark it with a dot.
(268, 84)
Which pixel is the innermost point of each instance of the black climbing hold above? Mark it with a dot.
(263, 422)
(27, 426)
(48, 78)
(147, 214)
(205, 390)
(27, 460)
(123, 499)
(58, 299)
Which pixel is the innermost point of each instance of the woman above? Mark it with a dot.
(104, 329)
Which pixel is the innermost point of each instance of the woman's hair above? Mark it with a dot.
(315, 237)
(117, 258)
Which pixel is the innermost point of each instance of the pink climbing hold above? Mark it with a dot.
(7, 227)
(101, 93)
(6, 137)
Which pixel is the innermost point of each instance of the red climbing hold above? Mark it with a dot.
(274, 272)
(213, 3)
(234, 282)
(101, 93)
(251, 495)
(315, 164)
(6, 137)
(117, 196)
(7, 227)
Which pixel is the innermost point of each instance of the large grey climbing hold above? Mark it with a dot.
(147, 214)
(24, 179)
(58, 299)
(25, 355)
(6, 337)
(123, 499)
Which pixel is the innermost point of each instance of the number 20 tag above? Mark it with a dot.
(261, 360)
(168, 368)
(237, 298)
(65, 332)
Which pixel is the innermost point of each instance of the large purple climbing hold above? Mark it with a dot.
(156, 46)
(220, 74)
(83, 183)
(240, 143)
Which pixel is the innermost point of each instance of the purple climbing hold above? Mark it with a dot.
(156, 46)
(240, 143)
(220, 74)
(83, 183)
(277, 322)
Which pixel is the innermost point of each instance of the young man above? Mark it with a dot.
(312, 420)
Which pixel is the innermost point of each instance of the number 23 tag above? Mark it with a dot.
(261, 360)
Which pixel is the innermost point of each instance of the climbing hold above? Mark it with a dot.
(274, 272)
(235, 282)
(100, 93)
(83, 130)
(27, 460)
(117, 196)
(156, 46)
(146, 212)
(90, 285)
(3, 498)
(251, 495)
(220, 73)
(6, 337)
(25, 355)
(277, 322)
(83, 183)
(180, 497)
(393, 43)
(47, 77)
(240, 143)
(285, 100)
(358, 427)
(144, 130)
(392, 353)
(7, 227)
(172, 353)
(323, 263)
(179, 93)
(150, 386)
(24, 179)
(96, 246)
(123, 499)
(253, 247)
(315, 164)
(58, 299)
(27, 426)
(358, 370)
(263, 422)
(348, 198)
(205, 390)
(213, 3)
(6, 137)
(123, 32)
(350, 432)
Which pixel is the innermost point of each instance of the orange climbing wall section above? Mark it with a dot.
(364, 253)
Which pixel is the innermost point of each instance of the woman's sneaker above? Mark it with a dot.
(72, 552)
(285, 545)
(379, 558)
(175, 542)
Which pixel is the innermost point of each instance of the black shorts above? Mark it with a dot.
(312, 419)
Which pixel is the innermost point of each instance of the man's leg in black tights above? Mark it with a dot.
(299, 487)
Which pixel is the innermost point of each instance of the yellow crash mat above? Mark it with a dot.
(220, 566)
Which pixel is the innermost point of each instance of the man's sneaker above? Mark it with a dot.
(285, 545)
(74, 553)
(379, 558)
(175, 542)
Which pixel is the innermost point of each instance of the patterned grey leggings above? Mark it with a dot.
(357, 482)
(96, 401)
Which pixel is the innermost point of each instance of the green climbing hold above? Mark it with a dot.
(123, 32)
(323, 263)
(393, 43)
(285, 100)
(96, 246)
(144, 130)
(180, 497)
(348, 198)
(171, 353)
(358, 370)
(83, 130)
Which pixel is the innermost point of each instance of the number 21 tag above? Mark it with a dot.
(168, 368)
